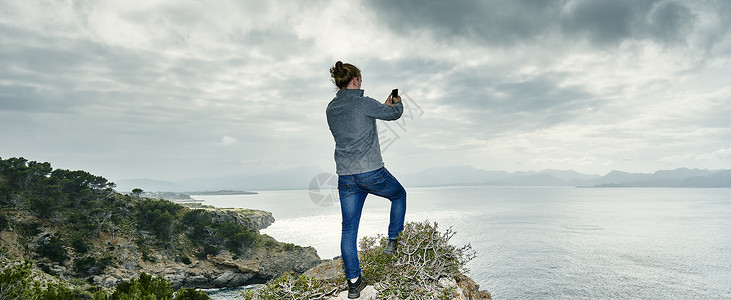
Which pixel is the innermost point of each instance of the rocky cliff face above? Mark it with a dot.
(222, 270)
(264, 260)
(250, 218)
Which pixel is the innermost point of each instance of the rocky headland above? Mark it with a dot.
(69, 232)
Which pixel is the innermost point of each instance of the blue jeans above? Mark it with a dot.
(353, 190)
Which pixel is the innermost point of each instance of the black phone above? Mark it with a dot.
(394, 93)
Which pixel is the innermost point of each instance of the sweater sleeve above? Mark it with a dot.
(378, 110)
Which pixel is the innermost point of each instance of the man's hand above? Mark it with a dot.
(392, 100)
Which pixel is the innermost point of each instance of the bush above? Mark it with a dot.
(197, 220)
(191, 294)
(237, 236)
(206, 250)
(423, 256)
(157, 288)
(292, 287)
(16, 282)
(144, 287)
(89, 266)
(4, 222)
(79, 245)
(54, 250)
(158, 216)
(29, 229)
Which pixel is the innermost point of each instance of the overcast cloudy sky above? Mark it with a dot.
(173, 89)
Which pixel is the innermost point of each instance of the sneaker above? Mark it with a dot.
(355, 288)
(391, 247)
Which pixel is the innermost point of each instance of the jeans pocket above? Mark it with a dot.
(377, 181)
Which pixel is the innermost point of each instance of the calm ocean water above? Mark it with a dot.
(546, 242)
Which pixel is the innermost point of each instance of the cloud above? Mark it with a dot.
(120, 86)
(228, 140)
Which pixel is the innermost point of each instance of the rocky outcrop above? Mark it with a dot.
(222, 270)
(465, 287)
(250, 218)
(265, 260)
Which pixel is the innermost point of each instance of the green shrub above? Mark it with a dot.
(79, 245)
(423, 256)
(16, 282)
(4, 222)
(59, 292)
(158, 216)
(289, 286)
(88, 266)
(191, 294)
(144, 287)
(237, 237)
(54, 250)
(29, 229)
(198, 221)
(207, 249)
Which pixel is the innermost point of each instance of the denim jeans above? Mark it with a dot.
(353, 190)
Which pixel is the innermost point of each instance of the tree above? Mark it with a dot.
(16, 282)
(137, 192)
(144, 287)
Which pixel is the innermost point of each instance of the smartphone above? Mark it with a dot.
(394, 93)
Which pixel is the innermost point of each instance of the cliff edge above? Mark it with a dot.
(425, 266)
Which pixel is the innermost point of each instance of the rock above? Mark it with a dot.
(252, 219)
(327, 270)
(244, 266)
(106, 281)
(299, 260)
(368, 293)
(262, 218)
(469, 290)
(195, 281)
(232, 279)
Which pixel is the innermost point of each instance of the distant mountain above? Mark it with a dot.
(299, 178)
(682, 177)
(454, 175)
(467, 175)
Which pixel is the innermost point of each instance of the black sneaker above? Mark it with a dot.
(391, 247)
(355, 288)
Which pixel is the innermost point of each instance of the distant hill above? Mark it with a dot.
(467, 175)
(299, 178)
(682, 177)
(127, 185)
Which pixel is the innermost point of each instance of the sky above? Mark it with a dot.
(176, 89)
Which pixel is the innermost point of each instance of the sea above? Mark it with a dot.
(541, 242)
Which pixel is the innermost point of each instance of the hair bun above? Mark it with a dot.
(339, 66)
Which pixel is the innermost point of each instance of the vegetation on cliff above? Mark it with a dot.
(77, 229)
(421, 268)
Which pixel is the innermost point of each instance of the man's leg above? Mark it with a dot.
(351, 207)
(383, 184)
(397, 194)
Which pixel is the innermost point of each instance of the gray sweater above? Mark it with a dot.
(352, 120)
